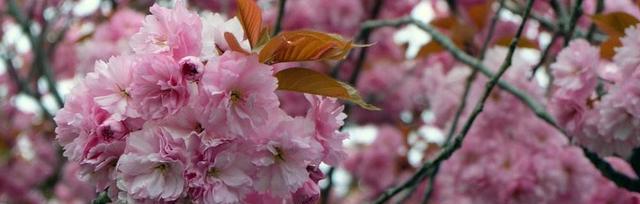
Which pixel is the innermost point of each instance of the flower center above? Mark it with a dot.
(235, 96)
(198, 128)
(162, 167)
(279, 154)
(213, 172)
(189, 69)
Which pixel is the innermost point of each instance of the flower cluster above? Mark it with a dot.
(185, 118)
(597, 100)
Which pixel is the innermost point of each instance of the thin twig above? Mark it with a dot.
(592, 27)
(620, 179)
(370, 25)
(575, 15)
(472, 77)
(551, 26)
(281, 12)
(561, 15)
(23, 87)
(431, 185)
(543, 56)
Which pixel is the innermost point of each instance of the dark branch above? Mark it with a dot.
(281, 12)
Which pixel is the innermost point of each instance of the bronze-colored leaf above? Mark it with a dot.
(445, 23)
(304, 45)
(614, 23)
(250, 16)
(233, 43)
(607, 48)
(523, 42)
(480, 14)
(312, 82)
(429, 48)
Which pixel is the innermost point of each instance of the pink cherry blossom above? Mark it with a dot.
(152, 166)
(328, 117)
(241, 89)
(627, 57)
(285, 150)
(224, 177)
(110, 85)
(574, 70)
(158, 88)
(175, 32)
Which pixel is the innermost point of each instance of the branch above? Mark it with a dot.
(430, 186)
(41, 60)
(23, 87)
(551, 26)
(543, 56)
(609, 172)
(281, 12)
(577, 12)
(592, 27)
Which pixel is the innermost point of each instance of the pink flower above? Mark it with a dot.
(574, 71)
(223, 177)
(241, 89)
(284, 151)
(617, 127)
(110, 85)
(628, 56)
(77, 121)
(199, 121)
(152, 167)
(158, 88)
(175, 32)
(309, 193)
(328, 117)
(569, 112)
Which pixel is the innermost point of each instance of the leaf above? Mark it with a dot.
(304, 45)
(479, 14)
(250, 16)
(523, 42)
(309, 81)
(607, 48)
(265, 36)
(233, 43)
(429, 48)
(445, 23)
(614, 23)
